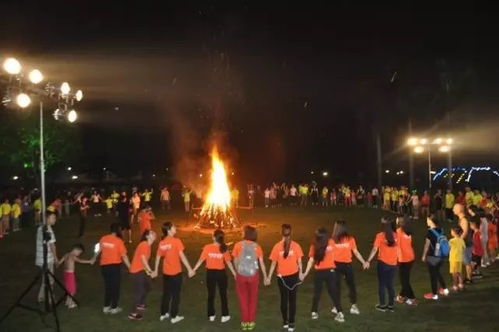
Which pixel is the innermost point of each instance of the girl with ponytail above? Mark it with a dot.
(287, 255)
(217, 257)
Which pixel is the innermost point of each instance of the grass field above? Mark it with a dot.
(476, 308)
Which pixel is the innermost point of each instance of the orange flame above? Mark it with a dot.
(218, 196)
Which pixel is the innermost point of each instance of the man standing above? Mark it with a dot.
(187, 199)
(46, 236)
(5, 210)
(467, 236)
(165, 199)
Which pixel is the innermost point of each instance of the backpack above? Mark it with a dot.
(442, 248)
(248, 263)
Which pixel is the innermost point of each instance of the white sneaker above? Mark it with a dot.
(340, 318)
(212, 318)
(225, 319)
(164, 317)
(314, 315)
(334, 311)
(115, 311)
(291, 329)
(106, 310)
(446, 292)
(285, 326)
(177, 319)
(354, 310)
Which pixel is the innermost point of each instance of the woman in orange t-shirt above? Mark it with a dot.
(321, 256)
(385, 244)
(112, 254)
(172, 250)
(343, 246)
(216, 255)
(287, 255)
(405, 259)
(139, 270)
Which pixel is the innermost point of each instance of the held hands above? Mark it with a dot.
(191, 273)
(302, 276)
(266, 281)
(366, 265)
(423, 259)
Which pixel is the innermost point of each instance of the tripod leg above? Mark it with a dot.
(26, 291)
(52, 302)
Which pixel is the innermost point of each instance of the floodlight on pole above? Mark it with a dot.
(438, 141)
(65, 88)
(412, 141)
(444, 149)
(423, 141)
(23, 100)
(449, 141)
(35, 76)
(12, 66)
(72, 116)
(418, 149)
(79, 95)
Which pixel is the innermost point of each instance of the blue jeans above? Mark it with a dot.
(386, 274)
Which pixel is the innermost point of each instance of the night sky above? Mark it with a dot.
(287, 89)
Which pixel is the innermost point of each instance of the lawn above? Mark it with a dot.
(476, 308)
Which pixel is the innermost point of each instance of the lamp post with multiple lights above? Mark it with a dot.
(18, 91)
(420, 145)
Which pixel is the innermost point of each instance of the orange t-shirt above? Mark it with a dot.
(144, 222)
(289, 265)
(170, 248)
(328, 261)
(405, 252)
(112, 248)
(343, 250)
(143, 249)
(386, 254)
(238, 248)
(215, 260)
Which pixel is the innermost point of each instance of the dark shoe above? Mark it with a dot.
(390, 308)
(380, 307)
(135, 316)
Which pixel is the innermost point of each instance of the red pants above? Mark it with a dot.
(247, 291)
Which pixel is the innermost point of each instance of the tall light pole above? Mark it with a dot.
(420, 145)
(17, 85)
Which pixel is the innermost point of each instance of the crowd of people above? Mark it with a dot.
(472, 247)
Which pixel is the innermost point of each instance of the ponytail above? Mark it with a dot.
(219, 238)
(320, 245)
(388, 230)
(286, 233)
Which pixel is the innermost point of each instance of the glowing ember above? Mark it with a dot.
(216, 211)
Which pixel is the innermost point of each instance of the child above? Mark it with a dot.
(477, 252)
(457, 247)
(145, 217)
(492, 243)
(109, 204)
(69, 271)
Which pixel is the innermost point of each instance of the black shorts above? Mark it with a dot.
(125, 223)
(476, 259)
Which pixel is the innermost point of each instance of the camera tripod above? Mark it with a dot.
(46, 276)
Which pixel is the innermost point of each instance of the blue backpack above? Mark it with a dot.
(442, 248)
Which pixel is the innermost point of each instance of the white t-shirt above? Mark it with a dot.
(39, 246)
(375, 192)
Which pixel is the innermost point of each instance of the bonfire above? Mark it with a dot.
(216, 211)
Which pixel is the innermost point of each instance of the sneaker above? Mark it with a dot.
(411, 302)
(141, 307)
(334, 311)
(244, 326)
(251, 326)
(291, 328)
(380, 307)
(115, 311)
(431, 296)
(455, 288)
(390, 308)
(401, 299)
(177, 319)
(468, 281)
(442, 291)
(72, 306)
(314, 315)
(285, 326)
(225, 319)
(212, 318)
(164, 317)
(105, 310)
(340, 318)
(354, 310)
(461, 287)
(135, 316)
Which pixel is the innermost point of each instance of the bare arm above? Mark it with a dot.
(145, 263)
(262, 266)
(198, 264)
(53, 249)
(82, 261)
(126, 261)
(310, 263)
(63, 259)
(231, 268)
(156, 264)
(185, 262)
(271, 270)
(359, 256)
(372, 254)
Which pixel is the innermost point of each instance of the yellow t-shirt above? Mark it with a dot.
(449, 200)
(477, 198)
(457, 246)
(16, 210)
(395, 195)
(5, 208)
(109, 203)
(468, 198)
(37, 205)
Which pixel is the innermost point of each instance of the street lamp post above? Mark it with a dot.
(16, 84)
(419, 146)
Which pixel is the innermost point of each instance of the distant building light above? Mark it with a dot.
(312, 172)
(74, 177)
(325, 174)
(69, 168)
(387, 171)
(15, 178)
(104, 169)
